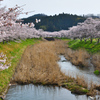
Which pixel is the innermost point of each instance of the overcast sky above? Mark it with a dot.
(52, 7)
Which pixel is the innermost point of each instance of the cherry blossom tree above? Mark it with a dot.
(90, 28)
(12, 29)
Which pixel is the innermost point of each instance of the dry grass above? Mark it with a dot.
(39, 65)
(78, 57)
(96, 61)
(81, 81)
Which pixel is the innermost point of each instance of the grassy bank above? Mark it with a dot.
(93, 50)
(38, 65)
(90, 47)
(13, 51)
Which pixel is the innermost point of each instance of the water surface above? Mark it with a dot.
(69, 69)
(32, 92)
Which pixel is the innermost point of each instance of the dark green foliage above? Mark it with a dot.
(76, 88)
(56, 22)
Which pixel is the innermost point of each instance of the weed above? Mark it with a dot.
(96, 72)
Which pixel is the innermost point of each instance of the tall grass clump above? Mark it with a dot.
(96, 61)
(39, 65)
(81, 81)
(93, 50)
(85, 50)
(78, 57)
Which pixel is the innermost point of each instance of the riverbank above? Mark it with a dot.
(13, 51)
(80, 52)
(38, 65)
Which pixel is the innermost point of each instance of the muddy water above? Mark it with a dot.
(74, 71)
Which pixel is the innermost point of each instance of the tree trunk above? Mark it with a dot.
(98, 41)
(3, 41)
(6, 41)
(91, 40)
(80, 39)
(85, 40)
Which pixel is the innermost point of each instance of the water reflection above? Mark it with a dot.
(32, 92)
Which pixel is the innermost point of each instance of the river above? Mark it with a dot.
(69, 69)
(32, 92)
(39, 92)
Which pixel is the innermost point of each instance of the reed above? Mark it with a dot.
(39, 65)
(81, 81)
(78, 57)
(96, 61)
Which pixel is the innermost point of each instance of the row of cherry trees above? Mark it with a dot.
(89, 29)
(10, 30)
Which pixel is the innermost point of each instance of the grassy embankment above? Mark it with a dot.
(13, 51)
(39, 65)
(93, 50)
(79, 53)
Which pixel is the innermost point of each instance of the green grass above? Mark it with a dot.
(90, 47)
(75, 88)
(13, 51)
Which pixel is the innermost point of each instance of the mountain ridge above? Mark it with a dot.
(55, 22)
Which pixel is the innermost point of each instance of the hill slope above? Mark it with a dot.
(56, 22)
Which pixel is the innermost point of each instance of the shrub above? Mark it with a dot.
(96, 72)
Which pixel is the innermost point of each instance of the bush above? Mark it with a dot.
(96, 72)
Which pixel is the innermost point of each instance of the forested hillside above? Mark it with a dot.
(54, 23)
